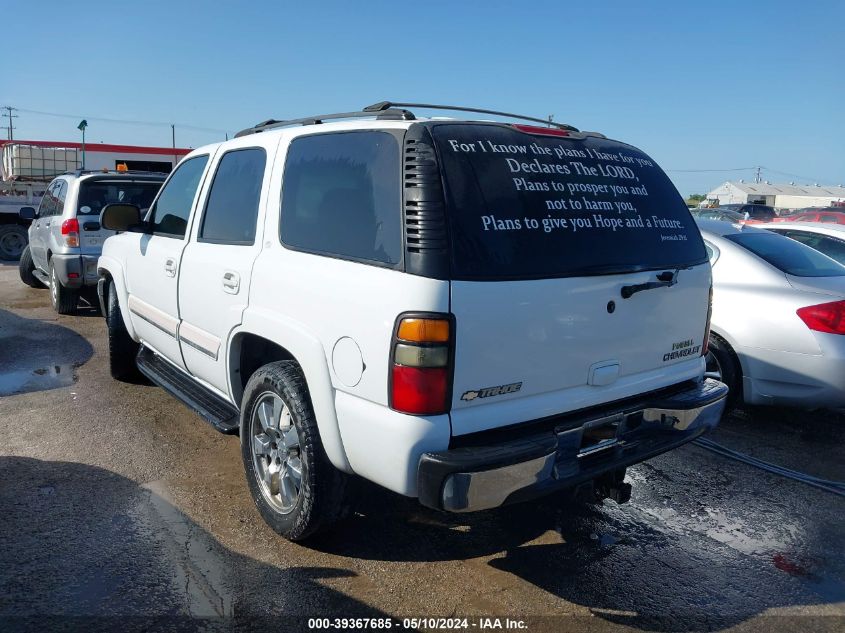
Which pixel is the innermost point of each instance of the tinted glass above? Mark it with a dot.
(763, 213)
(342, 196)
(61, 194)
(526, 206)
(94, 194)
(48, 202)
(830, 246)
(173, 207)
(788, 255)
(232, 206)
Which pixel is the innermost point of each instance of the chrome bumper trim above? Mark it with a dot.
(672, 425)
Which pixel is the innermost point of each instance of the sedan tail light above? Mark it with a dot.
(825, 317)
(70, 231)
(421, 364)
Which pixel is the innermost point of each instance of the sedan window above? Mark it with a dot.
(788, 255)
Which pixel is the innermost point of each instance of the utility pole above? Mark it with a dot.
(551, 118)
(173, 138)
(11, 127)
(757, 176)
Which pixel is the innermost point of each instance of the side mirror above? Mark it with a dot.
(26, 213)
(119, 216)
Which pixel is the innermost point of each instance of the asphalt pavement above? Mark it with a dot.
(121, 509)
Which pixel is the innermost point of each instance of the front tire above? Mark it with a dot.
(122, 349)
(292, 482)
(26, 267)
(64, 300)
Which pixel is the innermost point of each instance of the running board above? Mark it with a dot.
(207, 404)
(42, 277)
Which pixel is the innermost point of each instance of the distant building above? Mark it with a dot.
(782, 196)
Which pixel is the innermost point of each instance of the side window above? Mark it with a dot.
(828, 217)
(61, 194)
(232, 207)
(810, 239)
(170, 212)
(342, 197)
(48, 201)
(832, 247)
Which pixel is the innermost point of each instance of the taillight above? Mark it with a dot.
(542, 131)
(421, 364)
(706, 344)
(70, 231)
(824, 317)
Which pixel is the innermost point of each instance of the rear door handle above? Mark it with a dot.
(170, 267)
(231, 282)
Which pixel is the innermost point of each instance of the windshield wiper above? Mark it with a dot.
(666, 279)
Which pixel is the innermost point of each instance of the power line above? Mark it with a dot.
(784, 173)
(123, 121)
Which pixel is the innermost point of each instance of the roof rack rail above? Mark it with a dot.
(385, 113)
(385, 105)
(131, 172)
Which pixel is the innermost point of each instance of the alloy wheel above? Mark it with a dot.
(276, 452)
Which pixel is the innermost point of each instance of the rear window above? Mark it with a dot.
(95, 194)
(525, 206)
(788, 255)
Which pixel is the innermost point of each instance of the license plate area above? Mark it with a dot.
(594, 440)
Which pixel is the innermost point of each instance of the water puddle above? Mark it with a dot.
(41, 379)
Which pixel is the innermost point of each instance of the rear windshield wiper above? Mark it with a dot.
(666, 279)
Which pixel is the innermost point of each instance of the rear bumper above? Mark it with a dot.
(75, 271)
(481, 477)
(774, 377)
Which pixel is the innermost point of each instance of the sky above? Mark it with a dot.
(700, 86)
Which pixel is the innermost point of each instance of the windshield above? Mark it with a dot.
(525, 205)
(95, 194)
(788, 255)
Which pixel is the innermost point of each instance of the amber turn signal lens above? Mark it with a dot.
(424, 330)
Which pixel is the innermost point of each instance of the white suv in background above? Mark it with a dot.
(471, 313)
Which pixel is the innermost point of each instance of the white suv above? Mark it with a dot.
(471, 313)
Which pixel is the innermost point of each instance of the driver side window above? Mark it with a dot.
(169, 215)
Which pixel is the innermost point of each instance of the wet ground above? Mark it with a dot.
(121, 509)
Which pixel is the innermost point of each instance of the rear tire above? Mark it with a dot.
(64, 300)
(722, 362)
(13, 241)
(282, 452)
(122, 349)
(26, 267)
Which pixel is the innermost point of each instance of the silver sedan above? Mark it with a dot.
(778, 323)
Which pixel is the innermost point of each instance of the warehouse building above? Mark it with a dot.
(781, 196)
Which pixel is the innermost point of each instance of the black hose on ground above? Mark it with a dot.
(835, 487)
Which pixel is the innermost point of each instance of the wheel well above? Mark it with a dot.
(734, 356)
(250, 352)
